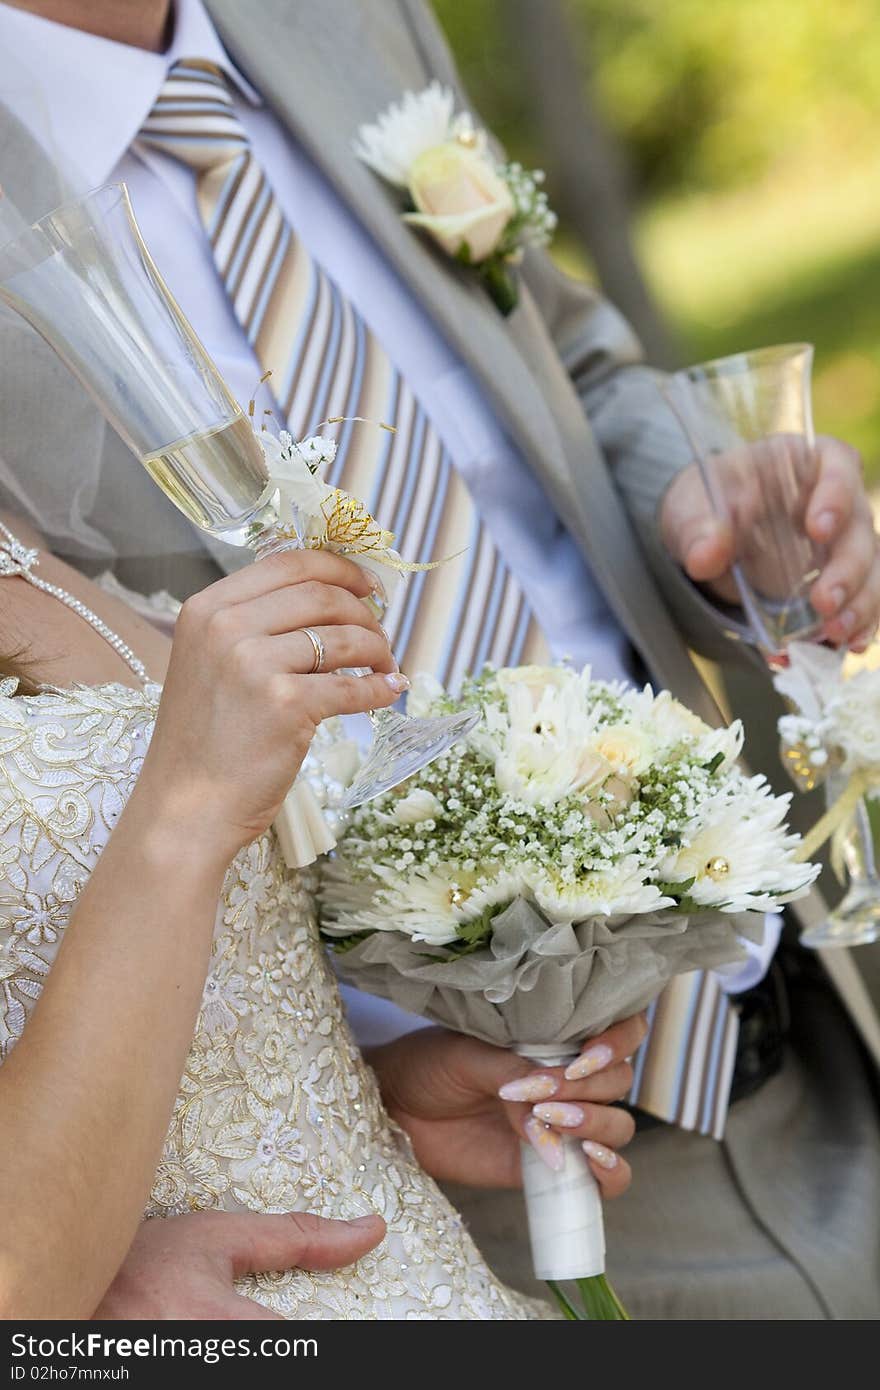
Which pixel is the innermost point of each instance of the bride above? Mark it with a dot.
(157, 959)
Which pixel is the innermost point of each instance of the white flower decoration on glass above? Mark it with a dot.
(834, 724)
(482, 212)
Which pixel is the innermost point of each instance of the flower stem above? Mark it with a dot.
(500, 283)
(568, 1311)
(601, 1303)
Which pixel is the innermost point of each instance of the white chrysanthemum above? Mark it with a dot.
(741, 857)
(417, 123)
(608, 893)
(419, 903)
(542, 742)
(423, 904)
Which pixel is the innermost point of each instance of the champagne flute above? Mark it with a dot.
(84, 279)
(748, 420)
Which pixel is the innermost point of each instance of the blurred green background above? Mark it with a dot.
(739, 140)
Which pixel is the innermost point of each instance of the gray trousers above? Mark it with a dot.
(781, 1220)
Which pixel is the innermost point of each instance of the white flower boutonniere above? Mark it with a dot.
(480, 211)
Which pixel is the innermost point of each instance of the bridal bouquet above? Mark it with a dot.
(546, 877)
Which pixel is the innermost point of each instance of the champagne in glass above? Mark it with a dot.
(84, 279)
(748, 419)
(217, 477)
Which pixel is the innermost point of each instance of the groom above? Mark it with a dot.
(590, 525)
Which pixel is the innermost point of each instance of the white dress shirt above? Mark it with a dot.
(94, 95)
(84, 98)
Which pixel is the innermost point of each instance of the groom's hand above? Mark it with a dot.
(466, 1105)
(837, 515)
(183, 1267)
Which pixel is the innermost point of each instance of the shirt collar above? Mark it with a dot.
(84, 98)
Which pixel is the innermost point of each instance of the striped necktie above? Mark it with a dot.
(326, 362)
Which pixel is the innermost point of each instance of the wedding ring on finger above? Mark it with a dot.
(317, 647)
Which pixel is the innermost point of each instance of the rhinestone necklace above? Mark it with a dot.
(17, 559)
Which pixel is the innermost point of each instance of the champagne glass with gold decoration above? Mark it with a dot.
(748, 419)
(84, 279)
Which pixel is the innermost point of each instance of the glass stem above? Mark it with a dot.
(379, 718)
(269, 541)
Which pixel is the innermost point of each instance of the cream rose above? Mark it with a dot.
(417, 806)
(628, 749)
(461, 199)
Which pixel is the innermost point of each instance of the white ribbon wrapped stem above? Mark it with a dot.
(302, 831)
(566, 1227)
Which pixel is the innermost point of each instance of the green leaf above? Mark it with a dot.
(478, 929)
(687, 904)
(676, 890)
(340, 944)
(463, 254)
(715, 763)
(472, 936)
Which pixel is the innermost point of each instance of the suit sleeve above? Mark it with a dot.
(639, 437)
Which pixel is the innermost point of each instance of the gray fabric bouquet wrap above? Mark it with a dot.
(547, 877)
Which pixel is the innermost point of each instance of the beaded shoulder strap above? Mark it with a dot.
(20, 560)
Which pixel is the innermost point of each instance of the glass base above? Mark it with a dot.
(854, 922)
(401, 747)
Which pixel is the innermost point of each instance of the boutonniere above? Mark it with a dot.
(482, 212)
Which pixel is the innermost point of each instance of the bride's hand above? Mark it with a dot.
(465, 1105)
(240, 704)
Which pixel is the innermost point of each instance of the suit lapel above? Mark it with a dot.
(288, 50)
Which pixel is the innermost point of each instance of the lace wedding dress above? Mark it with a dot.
(276, 1110)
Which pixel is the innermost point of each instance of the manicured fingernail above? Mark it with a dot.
(837, 596)
(606, 1158)
(529, 1088)
(377, 591)
(384, 632)
(594, 1059)
(362, 1220)
(559, 1112)
(847, 622)
(398, 681)
(546, 1143)
(825, 524)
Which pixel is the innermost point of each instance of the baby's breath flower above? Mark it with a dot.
(518, 808)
